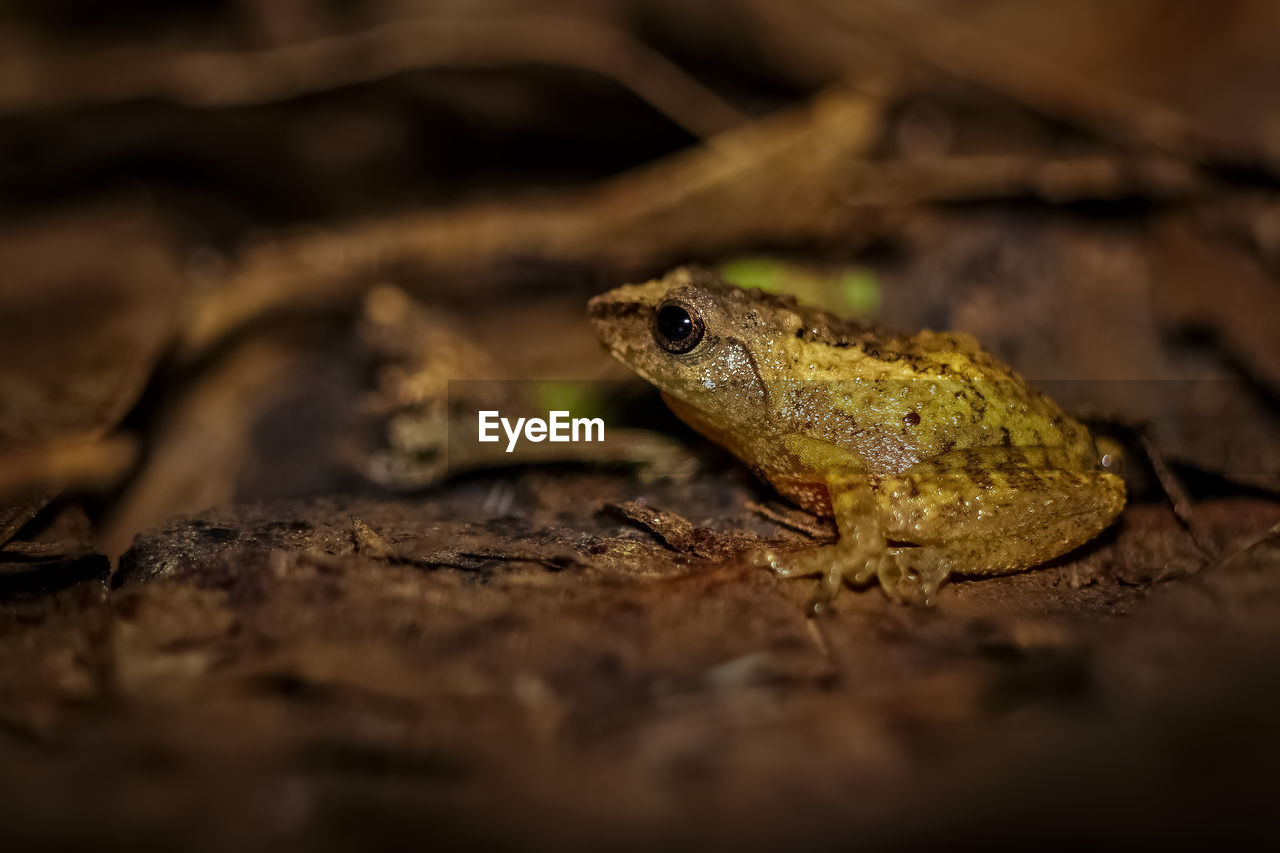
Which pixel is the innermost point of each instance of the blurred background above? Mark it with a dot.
(245, 245)
(196, 197)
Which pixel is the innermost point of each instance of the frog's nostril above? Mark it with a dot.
(607, 307)
(601, 309)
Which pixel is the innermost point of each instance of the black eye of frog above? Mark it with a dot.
(677, 328)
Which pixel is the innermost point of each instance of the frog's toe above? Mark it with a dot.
(790, 565)
(897, 583)
(907, 585)
(761, 558)
(828, 587)
(820, 601)
(862, 571)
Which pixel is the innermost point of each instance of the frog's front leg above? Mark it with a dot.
(858, 556)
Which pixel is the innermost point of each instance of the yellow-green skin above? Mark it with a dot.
(933, 457)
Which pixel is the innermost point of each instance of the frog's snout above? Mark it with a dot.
(599, 309)
(621, 315)
(617, 304)
(603, 312)
(596, 307)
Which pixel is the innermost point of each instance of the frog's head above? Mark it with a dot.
(698, 339)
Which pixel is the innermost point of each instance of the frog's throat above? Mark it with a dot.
(723, 435)
(805, 492)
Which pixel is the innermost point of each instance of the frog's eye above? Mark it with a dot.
(676, 327)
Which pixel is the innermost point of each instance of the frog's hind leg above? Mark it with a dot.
(992, 517)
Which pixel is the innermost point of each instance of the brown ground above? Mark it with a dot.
(257, 676)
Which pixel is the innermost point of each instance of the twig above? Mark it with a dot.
(77, 465)
(1038, 84)
(222, 79)
(802, 522)
(1183, 508)
(681, 535)
(798, 177)
(752, 181)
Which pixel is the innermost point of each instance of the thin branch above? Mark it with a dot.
(755, 181)
(221, 79)
(1040, 85)
(799, 177)
(85, 465)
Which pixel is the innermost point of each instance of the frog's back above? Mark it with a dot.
(795, 390)
(894, 400)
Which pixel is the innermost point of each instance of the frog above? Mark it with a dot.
(933, 458)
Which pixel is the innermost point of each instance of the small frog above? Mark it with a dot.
(932, 456)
